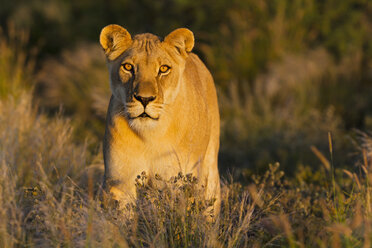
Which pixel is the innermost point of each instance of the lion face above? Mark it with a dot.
(146, 81)
(146, 75)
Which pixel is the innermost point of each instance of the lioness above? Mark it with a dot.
(163, 115)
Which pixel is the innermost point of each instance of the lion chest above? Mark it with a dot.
(129, 157)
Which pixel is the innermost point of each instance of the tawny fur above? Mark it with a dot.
(181, 130)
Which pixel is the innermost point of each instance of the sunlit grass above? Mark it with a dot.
(50, 183)
(47, 198)
(45, 202)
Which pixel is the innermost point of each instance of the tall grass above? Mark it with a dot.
(290, 108)
(50, 192)
(45, 200)
(16, 65)
(77, 81)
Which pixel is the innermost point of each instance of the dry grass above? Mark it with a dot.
(44, 201)
(77, 81)
(288, 109)
(16, 65)
(43, 205)
(50, 189)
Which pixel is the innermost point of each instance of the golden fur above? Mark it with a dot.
(158, 122)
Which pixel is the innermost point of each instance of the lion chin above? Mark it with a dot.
(142, 123)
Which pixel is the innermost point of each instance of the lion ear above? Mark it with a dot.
(114, 40)
(182, 39)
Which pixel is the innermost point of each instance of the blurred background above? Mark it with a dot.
(288, 72)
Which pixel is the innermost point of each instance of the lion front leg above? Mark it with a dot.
(120, 194)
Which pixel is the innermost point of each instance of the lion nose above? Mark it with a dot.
(144, 100)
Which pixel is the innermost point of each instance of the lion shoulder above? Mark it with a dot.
(198, 75)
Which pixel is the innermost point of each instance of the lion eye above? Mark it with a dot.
(128, 67)
(164, 69)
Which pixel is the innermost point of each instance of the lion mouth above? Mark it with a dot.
(145, 115)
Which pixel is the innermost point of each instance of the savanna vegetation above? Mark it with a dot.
(294, 82)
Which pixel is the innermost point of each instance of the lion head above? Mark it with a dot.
(145, 72)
